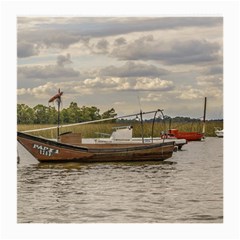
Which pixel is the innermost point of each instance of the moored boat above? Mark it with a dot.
(68, 147)
(123, 134)
(219, 132)
(189, 136)
(45, 150)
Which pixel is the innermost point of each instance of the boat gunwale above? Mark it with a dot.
(131, 147)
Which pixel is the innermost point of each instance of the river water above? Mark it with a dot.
(188, 188)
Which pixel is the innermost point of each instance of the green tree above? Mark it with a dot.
(64, 116)
(52, 115)
(25, 114)
(40, 114)
(94, 113)
(73, 113)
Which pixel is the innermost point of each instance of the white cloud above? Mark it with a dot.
(153, 84)
(210, 81)
(190, 94)
(90, 86)
(152, 97)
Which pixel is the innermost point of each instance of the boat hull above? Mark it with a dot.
(178, 142)
(45, 150)
(219, 133)
(189, 136)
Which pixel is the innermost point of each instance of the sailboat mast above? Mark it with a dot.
(204, 115)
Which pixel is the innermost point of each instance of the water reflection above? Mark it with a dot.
(77, 165)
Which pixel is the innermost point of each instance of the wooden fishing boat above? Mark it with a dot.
(70, 148)
(45, 150)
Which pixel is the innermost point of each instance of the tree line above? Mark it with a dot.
(41, 114)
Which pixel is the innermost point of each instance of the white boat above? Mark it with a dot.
(219, 132)
(123, 134)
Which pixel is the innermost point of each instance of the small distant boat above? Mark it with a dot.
(219, 132)
(189, 136)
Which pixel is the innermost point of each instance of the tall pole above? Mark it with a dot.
(142, 124)
(57, 97)
(204, 115)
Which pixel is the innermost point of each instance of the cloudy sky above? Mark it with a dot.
(170, 63)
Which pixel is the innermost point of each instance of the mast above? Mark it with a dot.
(58, 120)
(141, 118)
(204, 115)
(57, 98)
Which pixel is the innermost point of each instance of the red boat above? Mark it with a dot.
(189, 136)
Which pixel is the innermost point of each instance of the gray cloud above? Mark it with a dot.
(33, 76)
(103, 27)
(102, 45)
(62, 32)
(26, 49)
(63, 60)
(46, 72)
(120, 41)
(30, 42)
(175, 52)
(131, 69)
(214, 70)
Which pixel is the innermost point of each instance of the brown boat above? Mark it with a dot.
(45, 150)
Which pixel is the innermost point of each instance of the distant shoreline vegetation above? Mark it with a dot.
(45, 116)
(41, 114)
